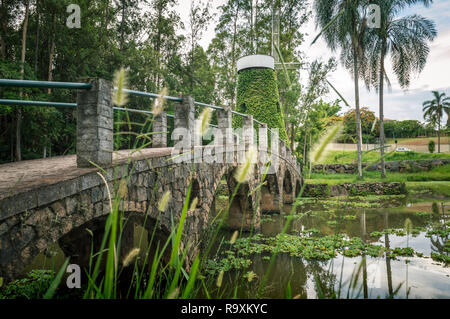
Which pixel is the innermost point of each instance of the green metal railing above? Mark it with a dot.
(44, 84)
(69, 85)
(87, 86)
(153, 95)
(36, 103)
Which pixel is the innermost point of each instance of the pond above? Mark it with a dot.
(353, 248)
(331, 250)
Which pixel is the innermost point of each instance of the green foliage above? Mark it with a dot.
(367, 120)
(257, 94)
(317, 190)
(441, 258)
(33, 286)
(406, 129)
(431, 146)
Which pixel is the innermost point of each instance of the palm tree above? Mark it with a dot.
(434, 110)
(405, 40)
(343, 25)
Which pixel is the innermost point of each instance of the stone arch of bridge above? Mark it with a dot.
(288, 187)
(270, 195)
(244, 212)
(78, 242)
(298, 186)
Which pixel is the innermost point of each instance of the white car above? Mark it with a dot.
(402, 149)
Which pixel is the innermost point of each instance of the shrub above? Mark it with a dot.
(33, 286)
(431, 146)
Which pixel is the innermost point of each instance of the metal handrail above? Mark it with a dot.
(152, 95)
(45, 84)
(36, 103)
(209, 105)
(62, 104)
(260, 123)
(85, 86)
(238, 113)
(138, 111)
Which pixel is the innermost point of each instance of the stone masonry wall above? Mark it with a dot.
(409, 166)
(354, 189)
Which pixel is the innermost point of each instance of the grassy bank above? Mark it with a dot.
(419, 140)
(436, 180)
(348, 157)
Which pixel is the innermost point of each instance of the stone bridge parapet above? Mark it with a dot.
(43, 202)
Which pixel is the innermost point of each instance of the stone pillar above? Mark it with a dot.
(282, 149)
(248, 131)
(224, 119)
(247, 138)
(184, 129)
(185, 116)
(95, 120)
(263, 146)
(274, 152)
(160, 127)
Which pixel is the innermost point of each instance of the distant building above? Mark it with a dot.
(385, 119)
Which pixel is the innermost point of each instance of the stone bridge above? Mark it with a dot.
(53, 200)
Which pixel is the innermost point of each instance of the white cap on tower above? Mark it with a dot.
(256, 61)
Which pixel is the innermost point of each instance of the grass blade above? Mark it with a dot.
(55, 283)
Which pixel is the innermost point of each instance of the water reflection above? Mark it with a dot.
(363, 276)
(388, 258)
(341, 277)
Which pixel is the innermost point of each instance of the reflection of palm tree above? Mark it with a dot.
(286, 270)
(388, 259)
(324, 278)
(364, 262)
(438, 244)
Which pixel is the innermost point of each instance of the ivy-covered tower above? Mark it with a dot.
(257, 92)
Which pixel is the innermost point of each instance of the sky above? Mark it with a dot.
(398, 104)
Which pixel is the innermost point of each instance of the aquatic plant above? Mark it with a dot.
(33, 286)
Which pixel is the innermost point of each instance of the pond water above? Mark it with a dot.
(343, 276)
(351, 276)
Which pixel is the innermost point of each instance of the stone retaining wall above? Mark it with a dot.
(354, 189)
(409, 166)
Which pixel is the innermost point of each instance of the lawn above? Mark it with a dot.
(348, 157)
(419, 140)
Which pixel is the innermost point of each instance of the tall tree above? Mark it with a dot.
(405, 40)
(434, 110)
(344, 26)
(226, 48)
(199, 19)
(310, 93)
(22, 70)
(163, 23)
